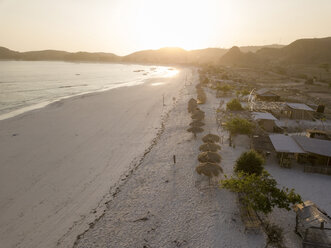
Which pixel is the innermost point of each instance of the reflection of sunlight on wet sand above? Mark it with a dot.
(157, 84)
(171, 72)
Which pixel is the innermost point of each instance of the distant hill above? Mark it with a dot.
(177, 55)
(236, 57)
(303, 51)
(167, 55)
(6, 54)
(254, 49)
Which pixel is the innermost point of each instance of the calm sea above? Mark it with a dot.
(26, 85)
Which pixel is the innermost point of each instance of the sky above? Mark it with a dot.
(125, 26)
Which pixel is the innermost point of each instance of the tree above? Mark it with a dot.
(238, 125)
(234, 105)
(250, 162)
(261, 192)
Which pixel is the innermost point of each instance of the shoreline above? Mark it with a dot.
(44, 104)
(67, 156)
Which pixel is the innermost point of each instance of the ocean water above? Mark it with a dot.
(26, 85)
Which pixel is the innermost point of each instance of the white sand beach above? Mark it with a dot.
(61, 163)
(169, 205)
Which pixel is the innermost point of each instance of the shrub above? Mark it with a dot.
(250, 162)
(224, 88)
(238, 125)
(275, 235)
(245, 92)
(234, 105)
(260, 191)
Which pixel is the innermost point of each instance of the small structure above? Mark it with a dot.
(310, 225)
(266, 95)
(261, 143)
(265, 120)
(314, 151)
(318, 152)
(318, 134)
(298, 111)
(286, 148)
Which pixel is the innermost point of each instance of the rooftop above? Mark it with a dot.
(300, 106)
(263, 116)
(316, 146)
(265, 92)
(284, 143)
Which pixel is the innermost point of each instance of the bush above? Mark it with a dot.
(245, 92)
(275, 235)
(234, 105)
(250, 162)
(238, 125)
(225, 88)
(260, 192)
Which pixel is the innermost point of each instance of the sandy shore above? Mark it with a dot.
(169, 205)
(60, 164)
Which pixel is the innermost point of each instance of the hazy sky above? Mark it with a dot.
(125, 26)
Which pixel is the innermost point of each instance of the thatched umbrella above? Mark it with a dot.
(192, 104)
(195, 130)
(197, 124)
(198, 86)
(209, 147)
(198, 116)
(209, 169)
(197, 111)
(211, 138)
(212, 157)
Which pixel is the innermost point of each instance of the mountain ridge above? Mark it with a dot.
(309, 51)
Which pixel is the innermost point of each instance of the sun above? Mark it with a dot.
(185, 24)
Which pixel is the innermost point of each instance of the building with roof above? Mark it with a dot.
(265, 120)
(266, 95)
(311, 224)
(318, 134)
(286, 149)
(316, 152)
(298, 111)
